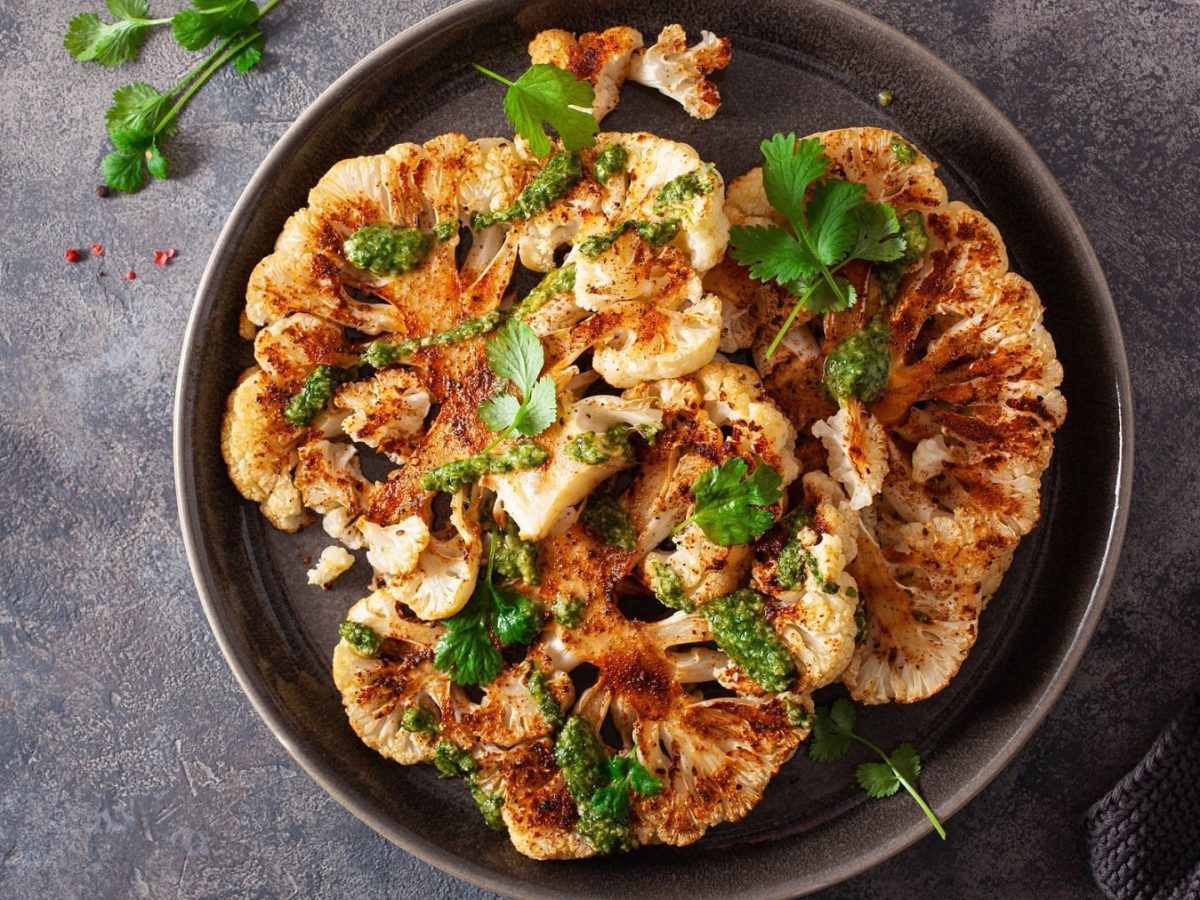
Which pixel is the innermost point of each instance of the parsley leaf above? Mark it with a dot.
(829, 223)
(832, 733)
(515, 353)
(469, 651)
(729, 505)
(196, 28)
(548, 94)
(89, 39)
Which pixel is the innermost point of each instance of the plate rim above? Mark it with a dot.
(189, 505)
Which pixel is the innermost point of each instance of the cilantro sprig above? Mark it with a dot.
(546, 94)
(494, 617)
(729, 506)
(832, 733)
(516, 354)
(142, 119)
(624, 775)
(829, 223)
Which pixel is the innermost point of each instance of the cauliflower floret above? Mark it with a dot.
(387, 411)
(580, 457)
(441, 581)
(259, 447)
(652, 342)
(290, 348)
(394, 550)
(857, 447)
(819, 628)
(680, 72)
(333, 561)
(701, 569)
(343, 526)
(601, 58)
(329, 477)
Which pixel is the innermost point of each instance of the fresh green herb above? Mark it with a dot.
(445, 229)
(568, 611)
(387, 249)
(494, 617)
(916, 242)
(363, 639)
(608, 519)
(827, 227)
(740, 628)
(550, 95)
(604, 820)
(315, 394)
(903, 151)
(419, 720)
(860, 621)
(539, 689)
(515, 353)
(729, 506)
(141, 118)
(859, 365)
(832, 733)
(610, 161)
(653, 233)
(449, 477)
(667, 587)
(451, 761)
(555, 282)
(682, 188)
(560, 173)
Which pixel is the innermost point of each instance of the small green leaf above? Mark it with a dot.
(538, 410)
(906, 762)
(130, 140)
(88, 39)
(250, 56)
(842, 714)
(518, 618)
(878, 234)
(789, 167)
(123, 171)
(728, 508)
(516, 353)
(548, 94)
(128, 9)
(195, 29)
(642, 782)
(877, 779)
(140, 107)
(498, 412)
(466, 652)
(831, 224)
(156, 163)
(771, 253)
(823, 299)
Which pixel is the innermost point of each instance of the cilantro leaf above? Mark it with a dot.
(790, 167)
(833, 730)
(250, 55)
(516, 354)
(466, 652)
(624, 774)
(89, 39)
(196, 28)
(548, 94)
(641, 782)
(124, 171)
(729, 509)
(877, 779)
(831, 223)
(156, 163)
(140, 107)
(518, 618)
(772, 254)
(131, 140)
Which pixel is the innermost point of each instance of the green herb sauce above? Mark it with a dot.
(740, 628)
(490, 806)
(606, 834)
(903, 151)
(387, 249)
(594, 448)
(668, 589)
(582, 759)
(381, 354)
(797, 715)
(605, 516)
(539, 689)
(653, 233)
(557, 281)
(315, 394)
(363, 639)
(568, 611)
(453, 762)
(561, 173)
(513, 557)
(859, 365)
(419, 720)
(453, 475)
(682, 188)
(610, 161)
(445, 229)
(916, 243)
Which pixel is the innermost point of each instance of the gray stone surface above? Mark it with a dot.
(131, 764)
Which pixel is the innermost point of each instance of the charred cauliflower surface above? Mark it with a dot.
(664, 678)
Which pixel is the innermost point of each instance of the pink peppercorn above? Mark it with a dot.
(72, 255)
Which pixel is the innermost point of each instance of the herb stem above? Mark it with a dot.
(787, 323)
(489, 73)
(908, 786)
(214, 61)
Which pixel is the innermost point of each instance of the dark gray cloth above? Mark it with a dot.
(1144, 835)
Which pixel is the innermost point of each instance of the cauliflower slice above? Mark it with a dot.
(259, 448)
(650, 342)
(600, 58)
(333, 561)
(681, 72)
(290, 348)
(387, 411)
(328, 477)
(441, 582)
(857, 448)
(537, 498)
(703, 570)
(394, 550)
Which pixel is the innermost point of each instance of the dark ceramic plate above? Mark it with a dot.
(803, 66)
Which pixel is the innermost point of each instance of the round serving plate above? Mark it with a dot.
(797, 66)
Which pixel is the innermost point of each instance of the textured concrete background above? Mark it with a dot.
(131, 764)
